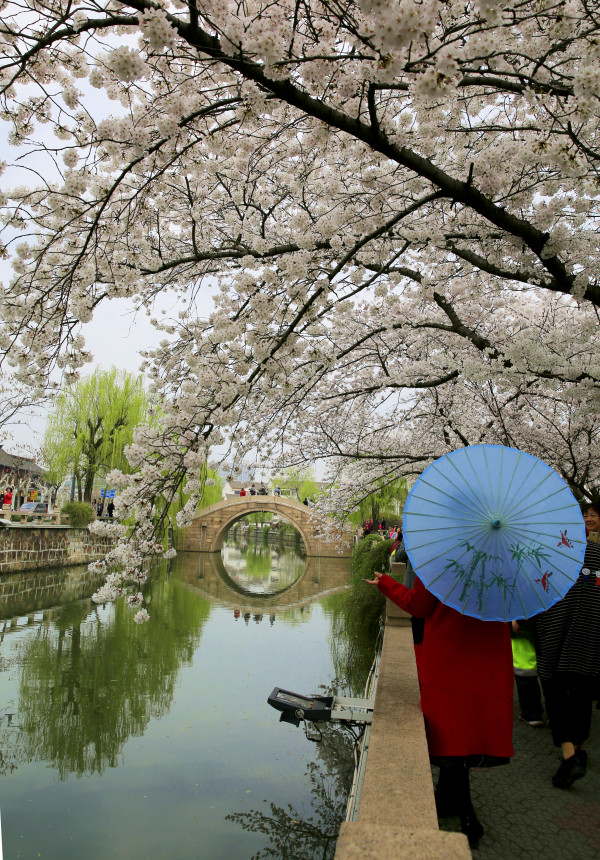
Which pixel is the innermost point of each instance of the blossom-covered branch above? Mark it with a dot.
(395, 206)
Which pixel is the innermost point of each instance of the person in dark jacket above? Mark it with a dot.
(567, 642)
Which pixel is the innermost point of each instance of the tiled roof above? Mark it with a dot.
(23, 463)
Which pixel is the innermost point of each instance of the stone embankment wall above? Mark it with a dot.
(34, 590)
(26, 547)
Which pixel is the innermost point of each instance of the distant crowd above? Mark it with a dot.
(262, 491)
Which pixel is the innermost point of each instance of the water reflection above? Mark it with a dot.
(206, 574)
(32, 590)
(92, 678)
(262, 560)
(293, 833)
(208, 769)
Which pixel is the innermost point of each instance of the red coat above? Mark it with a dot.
(466, 675)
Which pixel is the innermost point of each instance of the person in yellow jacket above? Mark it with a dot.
(526, 676)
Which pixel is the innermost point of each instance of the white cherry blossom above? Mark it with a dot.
(396, 204)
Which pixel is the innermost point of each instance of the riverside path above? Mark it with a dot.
(524, 816)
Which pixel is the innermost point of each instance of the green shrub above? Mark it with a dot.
(358, 613)
(80, 513)
(365, 603)
(371, 554)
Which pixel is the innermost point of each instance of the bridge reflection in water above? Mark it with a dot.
(206, 573)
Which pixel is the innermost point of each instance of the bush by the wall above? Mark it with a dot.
(357, 615)
(367, 602)
(80, 513)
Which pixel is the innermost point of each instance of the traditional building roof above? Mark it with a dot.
(237, 485)
(14, 463)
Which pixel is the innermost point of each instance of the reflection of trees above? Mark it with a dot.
(352, 643)
(294, 835)
(258, 560)
(12, 747)
(261, 564)
(89, 683)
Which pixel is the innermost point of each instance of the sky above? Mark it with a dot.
(115, 338)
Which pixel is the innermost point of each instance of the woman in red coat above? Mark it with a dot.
(466, 676)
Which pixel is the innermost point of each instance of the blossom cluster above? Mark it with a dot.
(393, 206)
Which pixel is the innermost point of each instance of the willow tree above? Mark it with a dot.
(92, 423)
(300, 482)
(384, 499)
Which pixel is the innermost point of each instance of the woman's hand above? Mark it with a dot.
(376, 580)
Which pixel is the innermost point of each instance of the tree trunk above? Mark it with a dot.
(89, 485)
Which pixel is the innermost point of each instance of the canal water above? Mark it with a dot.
(156, 741)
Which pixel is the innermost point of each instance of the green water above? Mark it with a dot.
(156, 741)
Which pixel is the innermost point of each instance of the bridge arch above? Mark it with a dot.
(207, 530)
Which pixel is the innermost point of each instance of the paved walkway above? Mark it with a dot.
(524, 816)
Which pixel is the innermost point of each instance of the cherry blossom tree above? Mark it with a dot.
(397, 202)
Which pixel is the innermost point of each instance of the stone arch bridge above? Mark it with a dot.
(207, 530)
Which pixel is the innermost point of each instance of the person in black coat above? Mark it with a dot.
(567, 643)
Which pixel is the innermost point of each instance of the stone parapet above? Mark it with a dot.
(360, 840)
(397, 815)
(25, 547)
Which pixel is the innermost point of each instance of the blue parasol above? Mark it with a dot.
(494, 532)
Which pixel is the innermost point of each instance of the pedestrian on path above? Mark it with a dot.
(526, 676)
(567, 640)
(466, 680)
